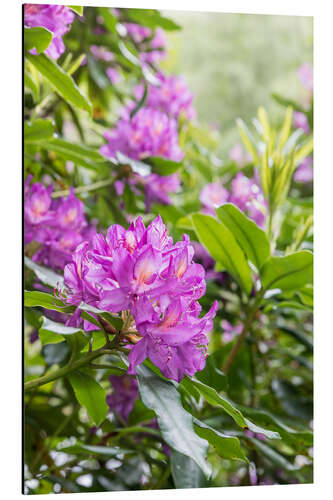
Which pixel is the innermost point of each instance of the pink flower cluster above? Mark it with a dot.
(55, 18)
(152, 44)
(172, 97)
(57, 225)
(245, 193)
(142, 271)
(149, 133)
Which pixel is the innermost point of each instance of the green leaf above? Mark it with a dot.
(78, 154)
(248, 140)
(110, 20)
(304, 151)
(288, 102)
(252, 240)
(215, 399)
(39, 130)
(141, 101)
(174, 422)
(55, 354)
(185, 472)
(291, 272)
(275, 457)
(90, 394)
(46, 300)
(163, 166)
(30, 84)
(225, 446)
(223, 247)
(61, 81)
(152, 19)
(57, 328)
(77, 9)
(87, 449)
(285, 130)
(275, 423)
(37, 38)
(212, 376)
(45, 275)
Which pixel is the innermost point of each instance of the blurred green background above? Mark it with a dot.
(233, 62)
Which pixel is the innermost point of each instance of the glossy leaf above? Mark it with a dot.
(291, 272)
(77, 9)
(163, 166)
(63, 84)
(39, 130)
(44, 274)
(77, 153)
(223, 247)
(174, 422)
(90, 394)
(225, 446)
(252, 240)
(38, 38)
(215, 399)
(185, 472)
(46, 300)
(152, 19)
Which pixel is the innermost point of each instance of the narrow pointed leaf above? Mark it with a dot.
(63, 84)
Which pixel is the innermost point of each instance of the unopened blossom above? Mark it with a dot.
(213, 196)
(149, 133)
(304, 172)
(141, 270)
(55, 18)
(305, 74)
(57, 225)
(300, 121)
(123, 396)
(172, 96)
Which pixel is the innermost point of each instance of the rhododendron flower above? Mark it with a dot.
(305, 74)
(149, 133)
(230, 331)
(125, 392)
(55, 18)
(101, 53)
(213, 196)
(300, 121)
(113, 75)
(144, 36)
(304, 172)
(172, 96)
(245, 193)
(142, 271)
(158, 188)
(57, 225)
(237, 154)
